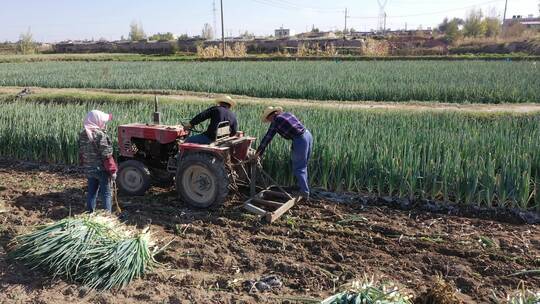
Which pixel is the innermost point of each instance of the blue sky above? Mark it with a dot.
(56, 20)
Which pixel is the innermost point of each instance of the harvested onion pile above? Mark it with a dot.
(95, 250)
(368, 291)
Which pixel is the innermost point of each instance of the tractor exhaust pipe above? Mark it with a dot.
(157, 115)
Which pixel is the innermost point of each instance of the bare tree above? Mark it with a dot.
(207, 32)
(26, 44)
(162, 36)
(474, 27)
(136, 31)
(492, 13)
(183, 37)
(492, 26)
(247, 35)
(450, 29)
(514, 30)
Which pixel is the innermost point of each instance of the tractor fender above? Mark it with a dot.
(188, 148)
(183, 154)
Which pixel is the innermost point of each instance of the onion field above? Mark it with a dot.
(472, 159)
(440, 81)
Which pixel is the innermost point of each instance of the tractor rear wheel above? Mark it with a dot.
(201, 180)
(133, 178)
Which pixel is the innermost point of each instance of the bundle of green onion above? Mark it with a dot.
(524, 296)
(368, 291)
(94, 250)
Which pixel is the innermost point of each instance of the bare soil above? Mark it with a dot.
(313, 249)
(360, 105)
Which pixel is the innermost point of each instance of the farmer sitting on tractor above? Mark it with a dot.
(96, 156)
(217, 115)
(289, 127)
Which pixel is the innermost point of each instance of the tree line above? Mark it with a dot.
(476, 25)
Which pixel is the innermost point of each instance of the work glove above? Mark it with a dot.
(110, 165)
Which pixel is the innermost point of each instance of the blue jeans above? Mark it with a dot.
(201, 139)
(301, 151)
(101, 185)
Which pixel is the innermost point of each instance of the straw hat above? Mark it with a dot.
(226, 99)
(268, 111)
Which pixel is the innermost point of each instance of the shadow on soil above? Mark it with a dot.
(158, 207)
(53, 205)
(161, 206)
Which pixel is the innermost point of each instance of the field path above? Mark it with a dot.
(359, 105)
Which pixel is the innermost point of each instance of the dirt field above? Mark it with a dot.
(318, 246)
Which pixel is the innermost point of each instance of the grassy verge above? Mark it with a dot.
(11, 58)
(93, 57)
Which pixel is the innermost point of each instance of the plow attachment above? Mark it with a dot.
(268, 203)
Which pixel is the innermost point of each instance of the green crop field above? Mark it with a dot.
(440, 81)
(467, 158)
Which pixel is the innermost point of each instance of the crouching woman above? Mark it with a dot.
(96, 157)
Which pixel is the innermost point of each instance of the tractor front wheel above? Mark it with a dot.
(201, 180)
(133, 178)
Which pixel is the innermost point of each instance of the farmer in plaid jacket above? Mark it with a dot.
(290, 128)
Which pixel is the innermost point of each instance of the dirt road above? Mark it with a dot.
(410, 106)
(315, 248)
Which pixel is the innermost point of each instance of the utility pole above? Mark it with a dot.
(222, 30)
(505, 8)
(384, 29)
(382, 15)
(214, 12)
(345, 29)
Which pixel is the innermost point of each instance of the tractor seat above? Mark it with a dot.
(223, 133)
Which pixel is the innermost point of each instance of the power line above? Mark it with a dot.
(288, 5)
(311, 7)
(430, 13)
(325, 9)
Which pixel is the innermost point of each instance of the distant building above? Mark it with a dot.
(282, 33)
(398, 33)
(529, 22)
(412, 33)
(317, 35)
(359, 34)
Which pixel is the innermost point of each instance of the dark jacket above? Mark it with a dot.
(216, 115)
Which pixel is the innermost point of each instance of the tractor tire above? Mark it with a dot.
(133, 178)
(202, 180)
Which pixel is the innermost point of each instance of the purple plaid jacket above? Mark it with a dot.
(287, 125)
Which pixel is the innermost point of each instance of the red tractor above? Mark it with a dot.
(203, 174)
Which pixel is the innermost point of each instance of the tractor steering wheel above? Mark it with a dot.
(192, 129)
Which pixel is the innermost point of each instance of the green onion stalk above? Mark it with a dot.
(94, 250)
